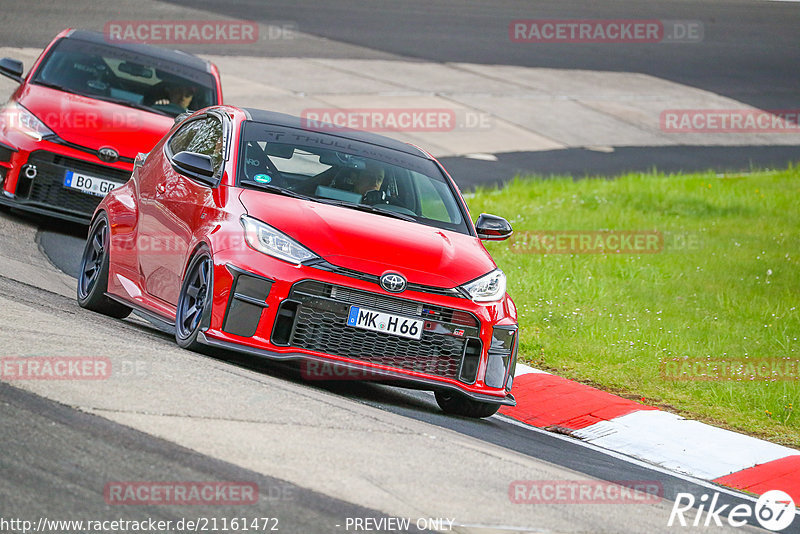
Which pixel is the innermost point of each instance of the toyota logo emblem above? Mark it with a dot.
(108, 154)
(393, 282)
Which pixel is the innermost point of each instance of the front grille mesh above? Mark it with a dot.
(371, 300)
(320, 325)
(48, 186)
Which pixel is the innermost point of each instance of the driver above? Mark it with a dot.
(369, 179)
(178, 95)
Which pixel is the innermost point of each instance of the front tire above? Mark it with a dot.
(454, 403)
(93, 274)
(194, 302)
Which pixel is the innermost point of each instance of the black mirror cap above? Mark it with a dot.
(11, 68)
(493, 228)
(194, 165)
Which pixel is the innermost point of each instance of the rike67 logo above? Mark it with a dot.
(774, 511)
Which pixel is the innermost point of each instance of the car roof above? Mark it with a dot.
(290, 121)
(176, 56)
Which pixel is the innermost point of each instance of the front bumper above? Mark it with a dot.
(34, 180)
(300, 312)
(359, 369)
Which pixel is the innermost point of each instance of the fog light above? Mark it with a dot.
(470, 361)
(6, 152)
(248, 299)
(499, 357)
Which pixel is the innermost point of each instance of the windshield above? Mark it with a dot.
(354, 174)
(126, 77)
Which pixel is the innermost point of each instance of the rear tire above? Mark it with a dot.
(93, 274)
(194, 301)
(458, 404)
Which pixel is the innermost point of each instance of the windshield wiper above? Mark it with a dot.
(361, 207)
(58, 87)
(367, 207)
(275, 189)
(130, 104)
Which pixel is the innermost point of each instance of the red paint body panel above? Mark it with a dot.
(160, 218)
(372, 243)
(94, 123)
(83, 125)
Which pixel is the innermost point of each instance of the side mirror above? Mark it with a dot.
(493, 228)
(141, 157)
(194, 165)
(11, 68)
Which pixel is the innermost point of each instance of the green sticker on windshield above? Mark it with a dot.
(262, 178)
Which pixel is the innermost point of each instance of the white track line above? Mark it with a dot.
(633, 461)
(523, 369)
(682, 445)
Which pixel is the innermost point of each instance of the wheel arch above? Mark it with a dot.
(205, 320)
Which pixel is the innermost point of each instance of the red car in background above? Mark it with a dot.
(246, 230)
(70, 131)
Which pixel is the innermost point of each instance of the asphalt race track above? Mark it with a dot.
(57, 458)
(321, 453)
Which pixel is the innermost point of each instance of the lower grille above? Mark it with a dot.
(48, 185)
(320, 325)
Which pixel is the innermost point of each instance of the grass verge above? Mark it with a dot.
(721, 285)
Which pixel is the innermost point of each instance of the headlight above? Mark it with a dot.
(20, 119)
(270, 241)
(487, 288)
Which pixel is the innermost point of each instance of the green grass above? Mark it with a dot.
(725, 285)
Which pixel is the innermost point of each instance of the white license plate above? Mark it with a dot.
(384, 322)
(91, 185)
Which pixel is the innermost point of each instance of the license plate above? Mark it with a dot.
(384, 322)
(91, 185)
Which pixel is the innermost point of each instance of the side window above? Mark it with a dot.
(435, 201)
(208, 140)
(180, 141)
(203, 136)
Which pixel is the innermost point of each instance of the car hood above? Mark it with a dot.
(371, 243)
(94, 123)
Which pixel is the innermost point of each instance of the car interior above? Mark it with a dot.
(336, 177)
(123, 80)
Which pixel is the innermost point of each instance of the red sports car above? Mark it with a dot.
(248, 230)
(71, 130)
